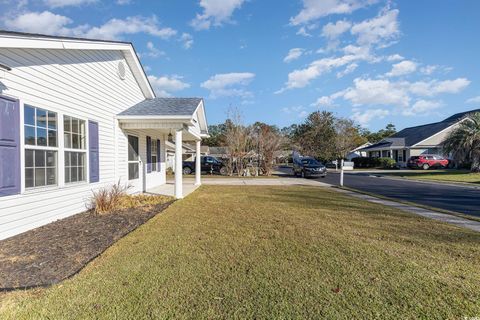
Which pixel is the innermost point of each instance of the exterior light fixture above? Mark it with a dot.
(170, 137)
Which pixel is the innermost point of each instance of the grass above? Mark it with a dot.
(463, 176)
(271, 252)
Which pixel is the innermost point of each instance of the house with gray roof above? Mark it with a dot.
(418, 140)
(78, 115)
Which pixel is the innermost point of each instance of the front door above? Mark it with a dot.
(134, 167)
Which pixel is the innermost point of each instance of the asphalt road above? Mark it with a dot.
(454, 198)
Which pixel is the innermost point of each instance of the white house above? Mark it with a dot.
(77, 115)
(415, 141)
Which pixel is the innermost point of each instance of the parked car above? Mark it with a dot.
(208, 164)
(308, 167)
(427, 161)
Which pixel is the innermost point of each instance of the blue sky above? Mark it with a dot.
(406, 62)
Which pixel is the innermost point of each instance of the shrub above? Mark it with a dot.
(379, 163)
(108, 199)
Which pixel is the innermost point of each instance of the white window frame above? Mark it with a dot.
(137, 162)
(84, 151)
(25, 146)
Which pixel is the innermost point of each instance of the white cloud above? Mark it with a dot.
(474, 100)
(373, 31)
(187, 40)
(303, 32)
(394, 57)
(365, 117)
(55, 24)
(315, 9)
(215, 12)
(299, 111)
(324, 101)
(153, 52)
(402, 68)
(45, 21)
(376, 92)
(334, 30)
(349, 69)
(229, 84)
(428, 70)
(166, 85)
(293, 54)
(115, 28)
(422, 107)
(66, 3)
(123, 2)
(302, 77)
(435, 87)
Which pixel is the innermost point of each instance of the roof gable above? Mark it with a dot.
(20, 40)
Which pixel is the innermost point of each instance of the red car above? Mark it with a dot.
(427, 161)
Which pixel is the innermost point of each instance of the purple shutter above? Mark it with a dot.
(149, 154)
(158, 155)
(9, 147)
(93, 151)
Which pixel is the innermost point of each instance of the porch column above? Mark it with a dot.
(198, 168)
(178, 165)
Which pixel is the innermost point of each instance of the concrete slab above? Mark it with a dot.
(168, 189)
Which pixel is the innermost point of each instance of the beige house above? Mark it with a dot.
(415, 141)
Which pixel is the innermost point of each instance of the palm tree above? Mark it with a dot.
(463, 143)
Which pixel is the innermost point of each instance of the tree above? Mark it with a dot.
(316, 136)
(463, 143)
(270, 140)
(217, 135)
(238, 141)
(375, 137)
(347, 137)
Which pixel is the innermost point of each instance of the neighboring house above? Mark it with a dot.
(77, 115)
(414, 141)
(219, 152)
(358, 152)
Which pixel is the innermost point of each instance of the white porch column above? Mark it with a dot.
(198, 168)
(178, 165)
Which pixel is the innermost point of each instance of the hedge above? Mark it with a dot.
(378, 163)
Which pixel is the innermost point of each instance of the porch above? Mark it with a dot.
(173, 121)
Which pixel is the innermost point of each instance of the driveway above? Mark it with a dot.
(454, 198)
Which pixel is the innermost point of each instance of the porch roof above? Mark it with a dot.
(166, 114)
(164, 107)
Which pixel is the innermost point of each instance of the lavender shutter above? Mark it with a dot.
(9, 147)
(149, 154)
(158, 155)
(93, 151)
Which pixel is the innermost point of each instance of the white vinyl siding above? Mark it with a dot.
(79, 83)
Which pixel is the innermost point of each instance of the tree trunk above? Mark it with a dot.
(475, 164)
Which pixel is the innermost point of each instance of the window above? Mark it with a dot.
(74, 133)
(133, 166)
(75, 137)
(40, 127)
(75, 167)
(40, 168)
(40, 131)
(153, 158)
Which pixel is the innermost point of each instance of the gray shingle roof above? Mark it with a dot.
(164, 107)
(414, 135)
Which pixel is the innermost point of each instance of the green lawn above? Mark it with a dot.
(271, 252)
(439, 175)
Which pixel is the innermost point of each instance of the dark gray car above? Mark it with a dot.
(308, 167)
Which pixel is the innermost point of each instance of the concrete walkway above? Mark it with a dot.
(234, 181)
(458, 221)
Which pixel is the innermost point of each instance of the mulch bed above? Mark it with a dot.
(56, 251)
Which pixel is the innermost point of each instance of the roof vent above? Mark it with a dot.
(121, 70)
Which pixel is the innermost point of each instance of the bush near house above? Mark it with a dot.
(374, 163)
